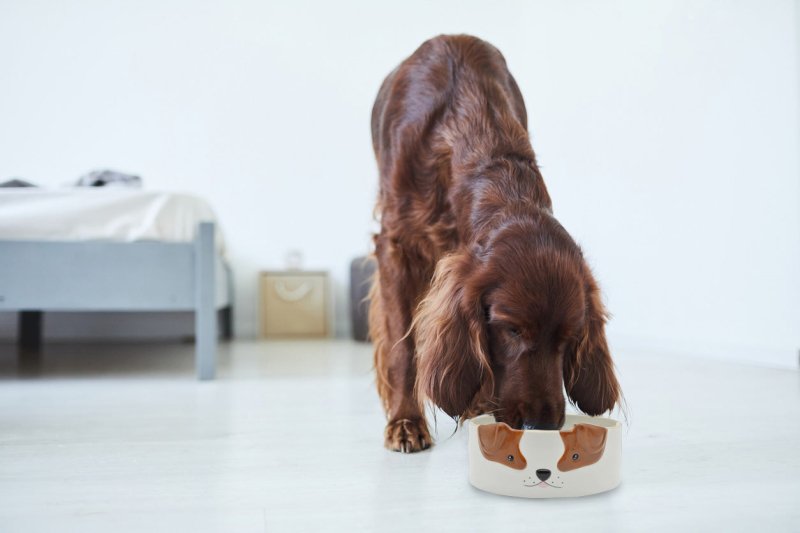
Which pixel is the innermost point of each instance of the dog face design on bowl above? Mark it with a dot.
(582, 458)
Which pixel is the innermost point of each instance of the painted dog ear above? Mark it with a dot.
(500, 443)
(584, 445)
(592, 438)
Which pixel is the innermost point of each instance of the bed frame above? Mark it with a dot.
(38, 276)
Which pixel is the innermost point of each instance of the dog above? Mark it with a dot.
(481, 302)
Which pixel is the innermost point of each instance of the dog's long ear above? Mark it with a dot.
(450, 335)
(588, 369)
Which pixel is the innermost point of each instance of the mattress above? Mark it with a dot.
(122, 215)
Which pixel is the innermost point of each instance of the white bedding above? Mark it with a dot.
(107, 214)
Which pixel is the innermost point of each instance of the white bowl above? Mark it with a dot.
(583, 457)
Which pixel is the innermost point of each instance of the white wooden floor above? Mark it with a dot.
(289, 438)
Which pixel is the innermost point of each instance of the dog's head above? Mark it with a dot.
(509, 323)
(583, 445)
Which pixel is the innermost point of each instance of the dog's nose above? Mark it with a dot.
(533, 424)
(543, 474)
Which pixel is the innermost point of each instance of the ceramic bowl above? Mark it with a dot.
(583, 457)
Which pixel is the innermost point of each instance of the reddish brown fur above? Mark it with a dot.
(482, 301)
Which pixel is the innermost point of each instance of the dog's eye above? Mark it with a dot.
(514, 332)
(575, 456)
(510, 458)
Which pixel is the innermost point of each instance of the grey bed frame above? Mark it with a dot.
(38, 276)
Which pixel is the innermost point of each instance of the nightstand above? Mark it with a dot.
(294, 303)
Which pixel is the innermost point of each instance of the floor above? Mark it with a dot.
(289, 438)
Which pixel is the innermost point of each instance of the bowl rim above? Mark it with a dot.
(573, 418)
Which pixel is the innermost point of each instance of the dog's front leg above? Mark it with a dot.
(399, 281)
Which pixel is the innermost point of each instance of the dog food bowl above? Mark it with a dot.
(582, 458)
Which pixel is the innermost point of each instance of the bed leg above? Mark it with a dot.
(205, 319)
(226, 319)
(29, 343)
(30, 330)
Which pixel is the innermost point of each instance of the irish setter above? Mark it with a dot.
(482, 302)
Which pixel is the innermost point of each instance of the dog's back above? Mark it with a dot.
(450, 105)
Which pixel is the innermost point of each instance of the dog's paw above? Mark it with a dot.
(407, 436)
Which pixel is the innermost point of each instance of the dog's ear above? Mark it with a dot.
(500, 443)
(588, 369)
(453, 369)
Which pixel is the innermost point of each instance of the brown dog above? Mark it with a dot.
(482, 301)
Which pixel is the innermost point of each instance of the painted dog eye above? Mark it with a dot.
(575, 456)
(510, 458)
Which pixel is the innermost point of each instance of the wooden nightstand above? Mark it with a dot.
(294, 304)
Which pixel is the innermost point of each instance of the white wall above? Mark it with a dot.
(667, 133)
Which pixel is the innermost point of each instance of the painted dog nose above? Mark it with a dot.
(543, 474)
(533, 424)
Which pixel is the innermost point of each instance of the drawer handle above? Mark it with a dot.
(292, 295)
